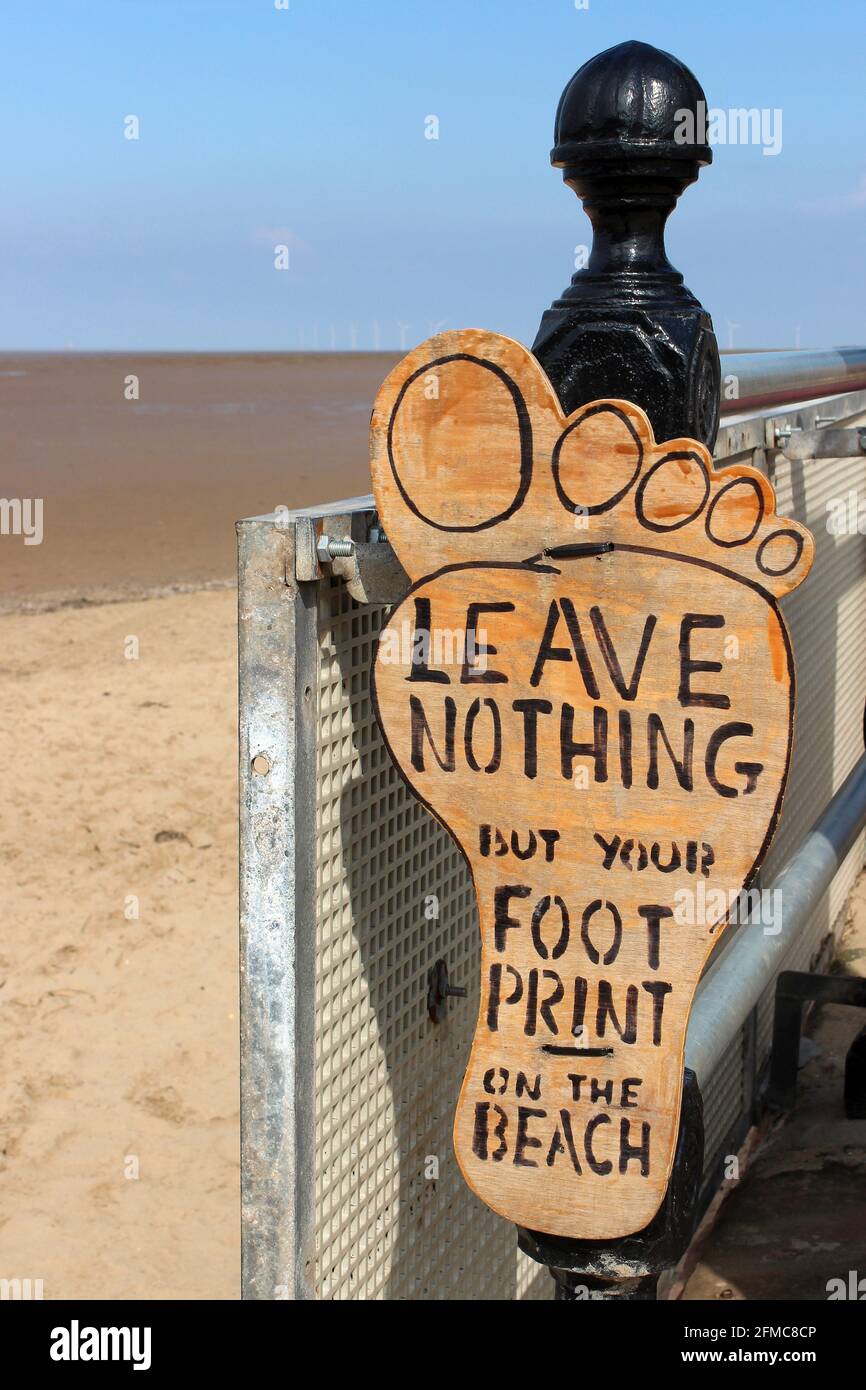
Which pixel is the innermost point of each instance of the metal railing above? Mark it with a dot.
(778, 378)
(731, 989)
(763, 380)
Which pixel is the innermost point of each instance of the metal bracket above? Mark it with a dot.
(370, 569)
(823, 443)
(373, 574)
(794, 988)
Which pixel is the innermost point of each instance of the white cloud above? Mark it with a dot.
(835, 207)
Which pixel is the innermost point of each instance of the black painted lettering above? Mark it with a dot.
(531, 709)
(598, 1092)
(628, 690)
(420, 728)
(496, 750)
(655, 729)
(470, 673)
(625, 747)
(654, 915)
(608, 848)
(550, 838)
(542, 908)
(578, 1013)
(487, 1082)
(689, 698)
(597, 750)
(576, 1082)
(481, 1131)
(591, 950)
(626, 853)
(563, 1142)
(517, 849)
(494, 993)
(548, 652)
(543, 1008)
(627, 1094)
(657, 989)
(751, 771)
(606, 1010)
(603, 1166)
(629, 1152)
(502, 921)
(420, 671)
(524, 1139)
(522, 1086)
(673, 863)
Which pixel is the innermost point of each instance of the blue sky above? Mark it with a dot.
(305, 127)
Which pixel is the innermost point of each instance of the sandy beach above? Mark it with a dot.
(118, 823)
(141, 495)
(118, 960)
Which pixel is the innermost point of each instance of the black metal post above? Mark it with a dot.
(629, 138)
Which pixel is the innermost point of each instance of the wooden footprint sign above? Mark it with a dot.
(591, 686)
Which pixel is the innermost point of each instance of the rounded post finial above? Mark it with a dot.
(630, 136)
(627, 104)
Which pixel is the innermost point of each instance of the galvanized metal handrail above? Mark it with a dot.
(733, 986)
(779, 378)
(763, 379)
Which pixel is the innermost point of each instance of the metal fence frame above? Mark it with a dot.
(279, 584)
(277, 651)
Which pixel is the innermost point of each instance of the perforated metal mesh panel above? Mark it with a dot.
(725, 1101)
(394, 1218)
(827, 619)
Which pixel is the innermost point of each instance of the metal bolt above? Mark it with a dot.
(330, 548)
(439, 989)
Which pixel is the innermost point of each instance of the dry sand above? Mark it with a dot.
(119, 1033)
(119, 1088)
